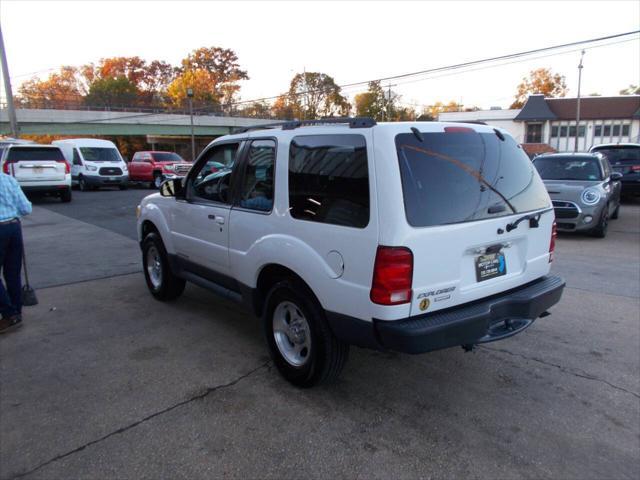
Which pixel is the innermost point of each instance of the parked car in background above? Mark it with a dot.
(154, 167)
(440, 236)
(38, 169)
(625, 159)
(94, 163)
(583, 188)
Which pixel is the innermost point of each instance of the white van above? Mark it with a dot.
(94, 163)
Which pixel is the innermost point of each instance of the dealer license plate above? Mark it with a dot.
(490, 266)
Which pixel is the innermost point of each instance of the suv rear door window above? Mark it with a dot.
(461, 175)
(34, 153)
(257, 184)
(329, 179)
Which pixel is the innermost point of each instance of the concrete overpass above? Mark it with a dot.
(111, 123)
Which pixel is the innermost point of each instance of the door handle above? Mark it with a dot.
(219, 219)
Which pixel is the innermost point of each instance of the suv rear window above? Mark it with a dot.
(329, 179)
(624, 154)
(34, 153)
(463, 176)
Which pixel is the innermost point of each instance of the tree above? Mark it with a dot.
(371, 103)
(256, 109)
(283, 109)
(631, 90)
(110, 91)
(431, 112)
(541, 81)
(59, 89)
(203, 84)
(223, 68)
(314, 95)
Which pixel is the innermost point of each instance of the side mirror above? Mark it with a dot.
(615, 176)
(172, 188)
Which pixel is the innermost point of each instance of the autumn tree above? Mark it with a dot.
(59, 89)
(223, 68)
(256, 109)
(200, 81)
(431, 112)
(540, 81)
(284, 109)
(110, 91)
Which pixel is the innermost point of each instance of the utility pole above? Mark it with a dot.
(7, 89)
(389, 102)
(193, 138)
(575, 147)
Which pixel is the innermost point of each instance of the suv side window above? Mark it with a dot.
(211, 176)
(76, 157)
(257, 185)
(329, 179)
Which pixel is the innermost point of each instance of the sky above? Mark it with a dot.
(351, 41)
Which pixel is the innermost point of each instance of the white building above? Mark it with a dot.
(551, 122)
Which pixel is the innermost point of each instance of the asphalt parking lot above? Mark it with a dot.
(104, 382)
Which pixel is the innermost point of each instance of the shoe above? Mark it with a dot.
(10, 323)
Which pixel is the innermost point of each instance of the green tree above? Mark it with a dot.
(313, 95)
(371, 103)
(110, 91)
(540, 81)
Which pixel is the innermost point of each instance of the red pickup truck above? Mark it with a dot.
(156, 167)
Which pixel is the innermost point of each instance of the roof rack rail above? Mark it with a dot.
(475, 122)
(353, 122)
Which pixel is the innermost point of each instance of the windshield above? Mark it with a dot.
(99, 154)
(34, 153)
(568, 168)
(622, 154)
(462, 176)
(163, 157)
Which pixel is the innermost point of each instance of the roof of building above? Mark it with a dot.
(536, 108)
(591, 108)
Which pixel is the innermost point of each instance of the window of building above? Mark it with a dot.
(616, 130)
(554, 131)
(563, 131)
(581, 130)
(625, 130)
(597, 131)
(572, 131)
(534, 133)
(257, 184)
(329, 179)
(607, 130)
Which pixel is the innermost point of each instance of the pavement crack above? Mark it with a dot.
(562, 369)
(200, 396)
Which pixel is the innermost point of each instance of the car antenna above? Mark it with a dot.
(418, 134)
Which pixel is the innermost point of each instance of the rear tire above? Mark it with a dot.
(123, 186)
(161, 281)
(600, 231)
(65, 195)
(300, 342)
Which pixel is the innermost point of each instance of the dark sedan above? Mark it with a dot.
(624, 158)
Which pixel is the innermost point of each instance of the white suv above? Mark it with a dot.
(402, 236)
(38, 169)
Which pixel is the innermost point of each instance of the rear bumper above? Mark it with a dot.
(45, 188)
(490, 319)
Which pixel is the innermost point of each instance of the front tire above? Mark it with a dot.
(300, 342)
(616, 212)
(123, 186)
(157, 180)
(161, 281)
(600, 231)
(82, 184)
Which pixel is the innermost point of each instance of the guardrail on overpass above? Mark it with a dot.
(96, 122)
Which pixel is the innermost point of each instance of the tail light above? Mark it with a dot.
(552, 243)
(392, 276)
(635, 168)
(6, 167)
(67, 168)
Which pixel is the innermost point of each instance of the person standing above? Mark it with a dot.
(13, 205)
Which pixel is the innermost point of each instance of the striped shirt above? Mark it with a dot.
(13, 203)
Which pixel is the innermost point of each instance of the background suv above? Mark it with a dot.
(625, 159)
(38, 169)
(406, 236)
(154, 167)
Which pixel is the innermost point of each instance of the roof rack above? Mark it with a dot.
(353, 122)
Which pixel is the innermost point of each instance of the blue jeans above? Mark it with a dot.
(11, 265)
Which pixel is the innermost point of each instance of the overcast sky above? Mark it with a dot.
(351, 41)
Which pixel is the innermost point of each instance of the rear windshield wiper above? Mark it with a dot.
(534, 220)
